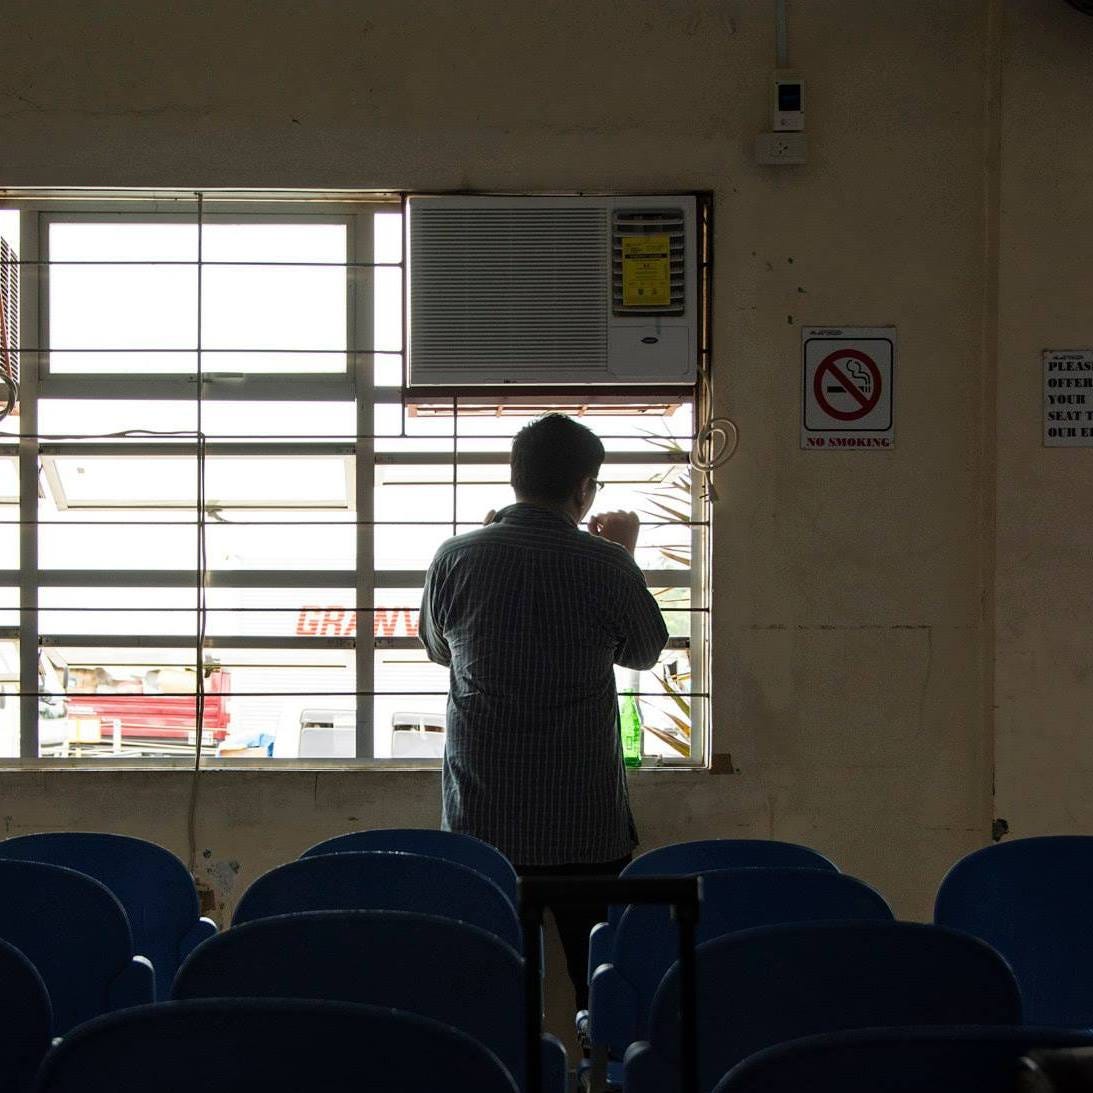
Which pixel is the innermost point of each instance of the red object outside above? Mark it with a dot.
(160, 717)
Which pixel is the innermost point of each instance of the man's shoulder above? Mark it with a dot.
(467, 540)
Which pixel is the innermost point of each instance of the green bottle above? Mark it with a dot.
(630, 725)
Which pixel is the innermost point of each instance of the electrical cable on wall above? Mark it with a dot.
(781, 34)
(11, 393)
(716, 440)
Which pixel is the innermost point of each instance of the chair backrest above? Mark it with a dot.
(449, 845)
(647, 938)
(1032, 900)
(150, 882)
(764, 986)
(704, 855)
(380, 880)
(74, 931)
(26, 1020)
(278, 1046)
(449, 971)
(898, 1060)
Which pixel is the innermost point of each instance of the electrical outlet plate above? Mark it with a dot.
(778, 148)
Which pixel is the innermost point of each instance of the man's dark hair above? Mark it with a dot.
(551, 456)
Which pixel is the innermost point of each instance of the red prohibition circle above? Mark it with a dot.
(827, 365)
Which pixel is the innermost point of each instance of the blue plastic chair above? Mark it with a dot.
(1032, 900)
(449, 971)
(647, 942)
(25, 1018)
(703, 855)
(74, 931)
(375, 880)
(761, 987)
(153, 886)
(975, 1059)
(449, 845)
(277, 1046)
(700, 856)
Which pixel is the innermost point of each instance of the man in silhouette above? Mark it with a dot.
(531, 613)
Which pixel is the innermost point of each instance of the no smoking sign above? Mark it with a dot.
(847, 386)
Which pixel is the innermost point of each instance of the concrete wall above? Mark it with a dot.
(854, 592)
(1045, 495)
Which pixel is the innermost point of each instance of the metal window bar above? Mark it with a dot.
(293, 694)
(361, 321)
(30, 229)
(261, 578)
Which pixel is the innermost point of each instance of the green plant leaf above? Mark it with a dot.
(673, 694)
(683, 727)
(675, 514)
(677, 745)
(682, 559)
(668, 443)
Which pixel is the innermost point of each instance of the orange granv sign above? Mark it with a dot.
(341, 622)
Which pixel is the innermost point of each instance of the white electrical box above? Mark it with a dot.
(788, 107)
(538, 291)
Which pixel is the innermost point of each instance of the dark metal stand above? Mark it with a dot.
(535, 894)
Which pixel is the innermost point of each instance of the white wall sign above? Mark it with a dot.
(1068, 398)
(847, 375)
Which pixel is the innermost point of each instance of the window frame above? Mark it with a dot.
(357, 384)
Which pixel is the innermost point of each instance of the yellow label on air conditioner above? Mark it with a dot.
(646, 271)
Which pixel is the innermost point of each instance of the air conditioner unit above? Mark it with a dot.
(539, 291)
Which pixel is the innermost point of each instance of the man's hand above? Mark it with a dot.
(618, 527)
(490, 517)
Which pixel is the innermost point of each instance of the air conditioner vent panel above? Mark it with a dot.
(645, 222)
(488, 284)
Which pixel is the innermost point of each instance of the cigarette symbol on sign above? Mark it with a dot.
(862, 380)
(851, 373)
(860, 376)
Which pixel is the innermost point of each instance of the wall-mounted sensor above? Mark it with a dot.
(788, 114)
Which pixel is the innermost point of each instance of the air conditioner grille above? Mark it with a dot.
(639, 222)
(508, 289)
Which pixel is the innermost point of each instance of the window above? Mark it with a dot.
(215, 495)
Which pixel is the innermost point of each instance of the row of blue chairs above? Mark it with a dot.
(1046, 875)
(958, 1059)
(793, 981)
(448, 971)
(282, 1045)
(273, 1045)
(440, 968)
(78, 934)
(1028, 899)
(131, 915)
(764, 986)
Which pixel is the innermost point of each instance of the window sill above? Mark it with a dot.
(268, 766)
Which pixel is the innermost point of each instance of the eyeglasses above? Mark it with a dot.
(599, 485)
